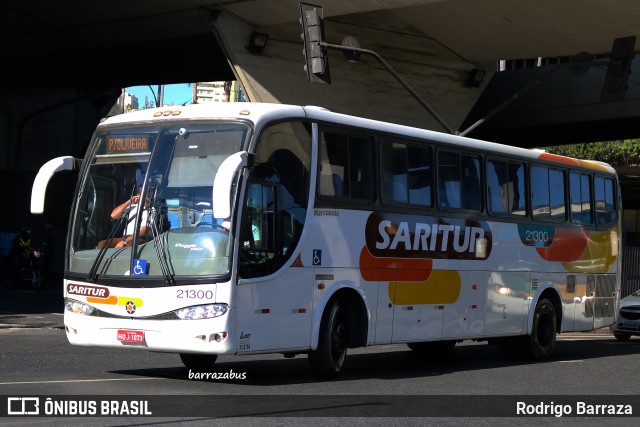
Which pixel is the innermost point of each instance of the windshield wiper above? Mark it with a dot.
(161, 248)
(93, 272)
(154, 219)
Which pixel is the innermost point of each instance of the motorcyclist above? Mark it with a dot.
(20, 244)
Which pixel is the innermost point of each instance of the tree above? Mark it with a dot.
(616, 153)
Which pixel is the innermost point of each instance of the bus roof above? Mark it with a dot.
(257, 112)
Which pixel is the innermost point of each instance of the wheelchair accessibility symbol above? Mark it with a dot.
(317, 257)
(139, 267)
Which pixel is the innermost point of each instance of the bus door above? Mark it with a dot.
(384, 312)
(273, 307)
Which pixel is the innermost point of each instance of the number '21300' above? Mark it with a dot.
(537, 236)
(194, 294)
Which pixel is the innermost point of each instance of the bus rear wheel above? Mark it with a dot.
(542, 341)
(198, 362)
(328, 359)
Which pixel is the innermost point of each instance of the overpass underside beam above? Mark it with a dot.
(364, 88)
(563, 109)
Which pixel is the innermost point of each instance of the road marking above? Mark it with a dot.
(79, 381)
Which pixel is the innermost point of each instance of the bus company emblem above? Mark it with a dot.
(402, 236)
(130, 307)
(87, 291)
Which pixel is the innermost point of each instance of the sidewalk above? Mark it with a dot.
(26, 308)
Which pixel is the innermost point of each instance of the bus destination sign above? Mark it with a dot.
(127, 144)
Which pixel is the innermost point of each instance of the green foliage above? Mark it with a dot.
(115, 109)
(616, 153)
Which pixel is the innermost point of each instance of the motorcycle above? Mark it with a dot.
(30, 267)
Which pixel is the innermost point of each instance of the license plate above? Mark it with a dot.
(130, 336)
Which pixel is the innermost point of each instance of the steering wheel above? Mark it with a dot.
(212, 225)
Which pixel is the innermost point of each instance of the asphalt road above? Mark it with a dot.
(380, 385)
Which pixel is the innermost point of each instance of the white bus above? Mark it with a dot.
(250, 228)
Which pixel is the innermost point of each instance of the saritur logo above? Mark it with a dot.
(395, 236)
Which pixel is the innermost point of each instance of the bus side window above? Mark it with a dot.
(276, 197)
(547, 193)
(604, 201)
(394, 172)
(346, 166)
(505, 187)
(459, 181)
(580, 191)
(419, 175)
(471, 193)
(406, 173)
(497, 187)
(449, 180)
(556, 195)
(540, 203)
(517, 189)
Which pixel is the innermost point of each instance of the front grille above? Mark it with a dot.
(623, 328)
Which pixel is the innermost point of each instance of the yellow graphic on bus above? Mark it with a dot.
(442, 287)
(411, 280)
(115, 300)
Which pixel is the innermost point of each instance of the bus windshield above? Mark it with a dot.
(145, 208)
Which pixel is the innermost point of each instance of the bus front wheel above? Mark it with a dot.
(328, 359)
(542, 341)
(198, 362)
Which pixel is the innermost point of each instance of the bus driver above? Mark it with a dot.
(132, 206)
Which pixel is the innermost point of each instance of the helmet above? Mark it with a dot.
(26, 231)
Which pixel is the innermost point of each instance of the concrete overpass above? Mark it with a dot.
(66, 61)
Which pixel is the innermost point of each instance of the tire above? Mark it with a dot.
(198, 362)
(432, 350)
(327, 360)
(622, 337)
(542, 341)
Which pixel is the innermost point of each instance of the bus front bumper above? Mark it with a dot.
(208, 336)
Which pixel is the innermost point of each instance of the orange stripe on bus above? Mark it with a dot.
(574, 162)
(393, 269)
(112, 300)
(560, 159)
(568, 245)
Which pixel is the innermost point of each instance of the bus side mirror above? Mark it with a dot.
(222, 183)
(39, 189)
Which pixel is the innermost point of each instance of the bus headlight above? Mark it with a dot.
(78, 307)
(207, 311)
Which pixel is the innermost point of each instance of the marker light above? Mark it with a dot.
(78, 307)
(207, 311)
